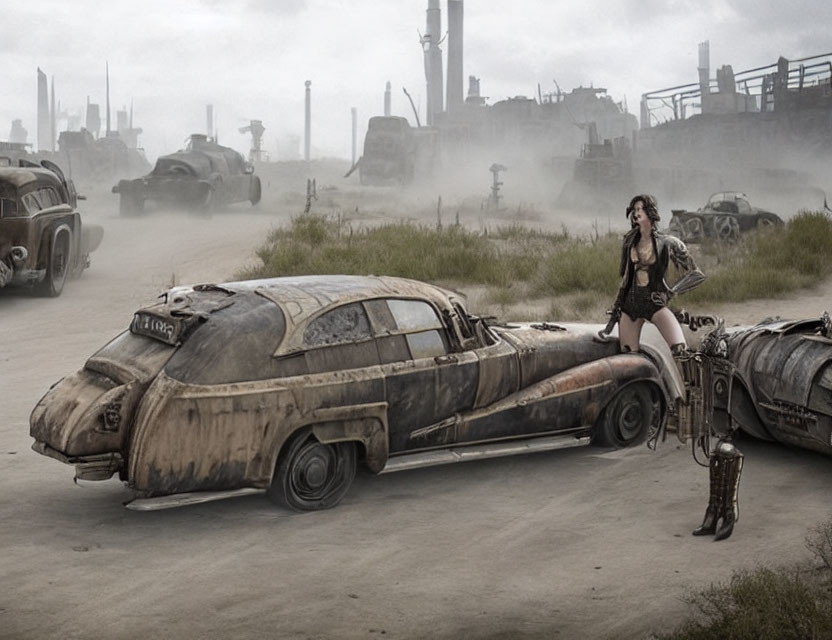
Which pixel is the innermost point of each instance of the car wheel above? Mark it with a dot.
(727, 228)
(311, 475)
(57, 266)
(213, 200)
(627, 418)
(256, 191)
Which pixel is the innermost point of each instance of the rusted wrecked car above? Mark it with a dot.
(204, 174)
(783, 383)
(283, 385)
(42, 240)
(726, 215)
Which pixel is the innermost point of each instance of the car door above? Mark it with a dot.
(426, 382)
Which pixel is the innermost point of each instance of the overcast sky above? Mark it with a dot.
(250, 58)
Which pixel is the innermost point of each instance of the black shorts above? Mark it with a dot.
(638, 304)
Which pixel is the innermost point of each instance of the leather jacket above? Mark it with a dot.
(667, 248)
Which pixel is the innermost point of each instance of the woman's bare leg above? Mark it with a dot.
(669, 327)
(629, 332)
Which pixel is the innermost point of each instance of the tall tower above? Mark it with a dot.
(387, 99)
(307, 129)
(453, 94)
(433, 61)
(44, 121)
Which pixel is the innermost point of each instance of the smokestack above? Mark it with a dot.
(433, 61)
(354, 113)
(455, 79)
(44, 124)
(209, 120)
(107, 73)
(53, 119)
(387, 99)
(704, 68)
(307, 129)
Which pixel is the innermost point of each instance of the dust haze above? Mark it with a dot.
(571, 544)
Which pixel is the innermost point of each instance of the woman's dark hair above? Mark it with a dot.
(649, 205)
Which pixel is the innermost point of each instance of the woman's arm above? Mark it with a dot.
(691, 277)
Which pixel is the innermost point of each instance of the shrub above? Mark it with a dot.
(764, 603)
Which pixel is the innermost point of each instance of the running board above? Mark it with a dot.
(183, 499)
(481, 451)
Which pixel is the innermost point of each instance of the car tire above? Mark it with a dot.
(727, 228)
(57, 266)
(628, 417)
(256, 191)
(213, 201)
(310, 475)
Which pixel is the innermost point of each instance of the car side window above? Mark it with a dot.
(31, 202)
(344, 324)
(422, 328)
(8, 208)
(48, 197)
(743, 206)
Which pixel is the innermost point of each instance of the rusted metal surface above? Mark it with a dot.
(42, 240)
(210, 403)
(784, 374)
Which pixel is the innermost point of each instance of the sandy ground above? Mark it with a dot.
(582, 543)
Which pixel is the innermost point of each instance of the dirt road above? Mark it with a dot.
(579, 543)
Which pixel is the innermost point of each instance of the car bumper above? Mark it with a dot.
(100, 466)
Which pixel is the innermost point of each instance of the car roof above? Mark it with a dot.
(21, 176)
(304, 298)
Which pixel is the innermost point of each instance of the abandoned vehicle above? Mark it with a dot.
(42, 240)
(726, 215)
(204, 174)
(283, 385)
(784, 371)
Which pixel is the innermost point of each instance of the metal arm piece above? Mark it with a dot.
(687, 282)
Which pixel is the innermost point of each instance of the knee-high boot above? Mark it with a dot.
(712, 512)
(730, 489)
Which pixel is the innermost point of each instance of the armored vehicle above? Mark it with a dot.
(726, 215)
(204, 174)
(42, 241)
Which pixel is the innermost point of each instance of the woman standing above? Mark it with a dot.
(644, 292)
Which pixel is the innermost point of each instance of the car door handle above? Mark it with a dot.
(445, 359)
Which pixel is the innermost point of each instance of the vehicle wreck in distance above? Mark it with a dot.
(204, 174)
(42, 240)
(725, 216)
(283, 385)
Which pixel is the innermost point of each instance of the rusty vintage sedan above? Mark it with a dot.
(285, 385)
(42, 240)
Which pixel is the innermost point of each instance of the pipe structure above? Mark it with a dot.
(453, 93)
(387, 99)
(44, 124)
(354, 113)
(307, 129)
(107, 67)
(209, 120)
(433, 61)
(53, 119)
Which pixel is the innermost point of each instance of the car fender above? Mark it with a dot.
(365, 423)
(593, 384)
(744, 411)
